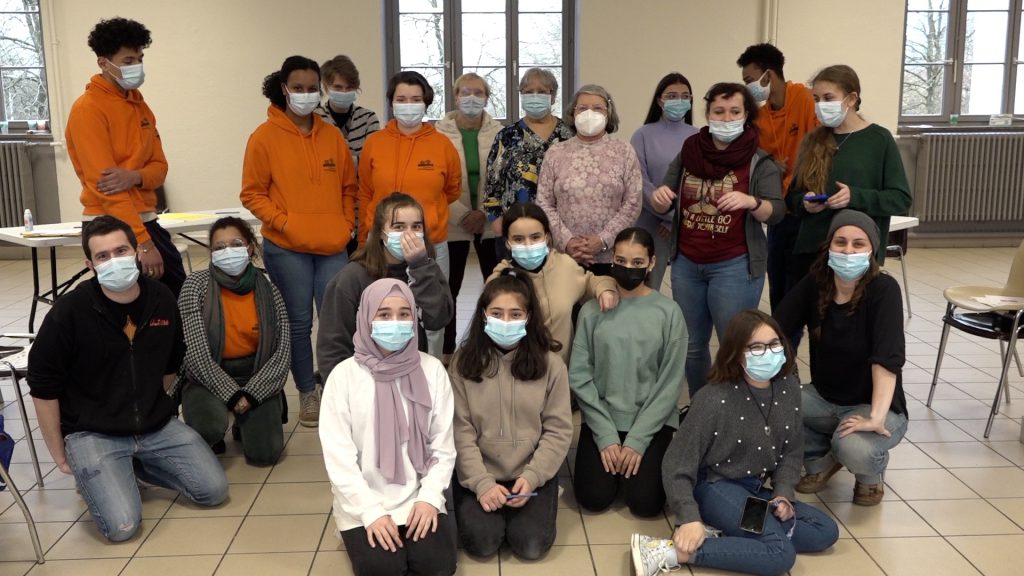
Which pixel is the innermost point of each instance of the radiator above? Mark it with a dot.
(970, 183)
(16, 193)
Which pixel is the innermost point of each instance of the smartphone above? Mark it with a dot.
(818, 198)
(754, 513)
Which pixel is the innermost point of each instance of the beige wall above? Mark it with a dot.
(209, 57)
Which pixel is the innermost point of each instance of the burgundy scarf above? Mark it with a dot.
(704, 160)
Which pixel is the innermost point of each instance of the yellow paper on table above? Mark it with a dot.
(184, 216)
(52, 233)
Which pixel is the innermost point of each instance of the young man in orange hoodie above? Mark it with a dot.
(115, 147)
(788, 114)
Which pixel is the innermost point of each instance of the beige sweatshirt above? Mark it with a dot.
(560, 284)
(506, 428)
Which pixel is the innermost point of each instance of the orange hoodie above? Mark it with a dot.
(106, 129)
(302, 186)
(424, 165)
(782, 130)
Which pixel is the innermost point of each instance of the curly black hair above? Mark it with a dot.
(272, 83)
(111, 35)
(764, 56)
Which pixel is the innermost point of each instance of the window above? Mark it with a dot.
(23, 105)
(962, 61)
(497, 39)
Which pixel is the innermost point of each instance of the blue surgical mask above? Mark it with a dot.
(505, 334)
(392, 335)
(536, 106)
(118, 274)
(471, 106)
(849, 266)
(758, 92)
(394, 244)
(530, 256)
(132, 75)
(831, 114)
(233, 260)
(675, 110)
(409, 114)
(726, 132)
(303, 103)
(765, 367)
(342, 99)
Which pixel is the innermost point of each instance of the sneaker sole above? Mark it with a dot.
(634, 552)
(308, 424)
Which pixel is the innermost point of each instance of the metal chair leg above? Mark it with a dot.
(1016, 356)
(1002, 353)
(1003, 373)
(24, 419)
(32, 532)
(938, 359)
(903, 265)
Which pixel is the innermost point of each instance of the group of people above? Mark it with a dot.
(573, 230)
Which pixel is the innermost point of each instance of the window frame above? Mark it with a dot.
(453, 65)
(19, 129)
(953, 70)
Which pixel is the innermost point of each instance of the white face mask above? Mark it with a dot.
(831, 114)
(726, 132)
(409, 114)
(233, 260)
(132, 75)
(590, 122)
(472, 106)
(303, 103)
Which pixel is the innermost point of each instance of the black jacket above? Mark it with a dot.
(104, 382)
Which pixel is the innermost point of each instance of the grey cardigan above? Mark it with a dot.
(765, 183)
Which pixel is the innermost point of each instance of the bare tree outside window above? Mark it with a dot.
(22, 69)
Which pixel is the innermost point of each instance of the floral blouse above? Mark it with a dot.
(513, 166)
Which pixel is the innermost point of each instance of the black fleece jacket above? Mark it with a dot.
(105, 382)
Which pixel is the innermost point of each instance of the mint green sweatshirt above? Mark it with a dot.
(627, 368)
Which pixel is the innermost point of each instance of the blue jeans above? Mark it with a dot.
(302, 279)
(772, 552)
(710, 295)
(105, 469)
(866, 454)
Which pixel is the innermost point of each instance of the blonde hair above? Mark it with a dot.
(468, 77)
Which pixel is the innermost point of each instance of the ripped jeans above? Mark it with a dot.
(106, 467)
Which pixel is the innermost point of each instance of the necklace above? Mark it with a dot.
(771, 403)
(839, 144)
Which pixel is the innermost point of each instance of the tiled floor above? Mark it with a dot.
(954, 502)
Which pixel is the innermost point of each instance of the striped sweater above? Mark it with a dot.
(359, 123)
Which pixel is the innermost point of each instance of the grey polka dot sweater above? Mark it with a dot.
(724, 435)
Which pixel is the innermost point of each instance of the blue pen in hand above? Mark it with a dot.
(523, 495)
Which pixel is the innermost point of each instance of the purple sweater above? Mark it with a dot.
(590, 188)
(656, 145)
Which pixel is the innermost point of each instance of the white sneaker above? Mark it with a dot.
(309, 408)
(649, 555)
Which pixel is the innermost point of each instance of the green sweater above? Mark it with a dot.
(870, 164)
(627, 368)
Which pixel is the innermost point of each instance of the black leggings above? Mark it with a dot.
(596, 489)
(433, 555)
(458, 252)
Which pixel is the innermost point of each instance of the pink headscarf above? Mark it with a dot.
(390, 425)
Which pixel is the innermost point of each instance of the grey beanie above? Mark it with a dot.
(861, 220)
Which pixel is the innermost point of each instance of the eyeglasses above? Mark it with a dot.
(234, 243)
(582, 109)
(759, 349)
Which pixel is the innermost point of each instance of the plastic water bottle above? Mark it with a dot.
(29, 221)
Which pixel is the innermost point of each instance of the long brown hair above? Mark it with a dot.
(814, 158)
(373, 254)
(728, 366)
(824, 278)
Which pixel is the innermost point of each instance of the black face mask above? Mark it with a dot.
(628, 278)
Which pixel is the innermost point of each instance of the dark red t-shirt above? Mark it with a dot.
(707, 235)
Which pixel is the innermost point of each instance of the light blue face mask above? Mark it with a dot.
(536, 105)
(726, 132)
(766, 366)
(530, 256)
(342, 99)
(392, 335)
(505, 334)
(118, 274)
(675, 110)
(849, 267)
(394, 244)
